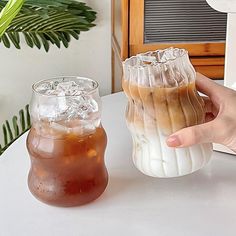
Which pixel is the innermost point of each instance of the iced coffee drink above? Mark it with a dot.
(66, 142)
(162, 99)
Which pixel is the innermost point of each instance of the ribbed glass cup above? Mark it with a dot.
(162, 99)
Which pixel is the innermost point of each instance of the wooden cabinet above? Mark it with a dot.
(143, 25)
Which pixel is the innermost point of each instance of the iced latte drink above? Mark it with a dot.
(162, 99)
(66, 142)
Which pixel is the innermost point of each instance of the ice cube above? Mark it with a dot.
(86, 106)
(69, 88)
(64, 88)
(46, 107)
(50, 107)
(85, 86)
(45, 88)
(62, 102)
(59, 127)
(68, 101)
(81, 106)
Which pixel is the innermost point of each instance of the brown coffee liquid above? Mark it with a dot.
(67, 169)
(170, 108)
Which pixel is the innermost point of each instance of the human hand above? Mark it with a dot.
(220, 126)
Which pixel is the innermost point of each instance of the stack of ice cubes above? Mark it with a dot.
(67, 100)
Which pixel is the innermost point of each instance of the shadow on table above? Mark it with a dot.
(213, 180)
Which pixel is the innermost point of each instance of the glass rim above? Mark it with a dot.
(155, 63)
(89, 91)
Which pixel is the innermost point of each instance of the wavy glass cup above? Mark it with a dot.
(67, 142)
(162, 99)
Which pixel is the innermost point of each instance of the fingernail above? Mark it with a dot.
(173, 141)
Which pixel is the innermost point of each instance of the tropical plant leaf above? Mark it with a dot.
(45, 22)
(27, 117)
(15, 126)
(8, 13)
(6, 41)
(11, 132)
(22, 120)
(5, 134)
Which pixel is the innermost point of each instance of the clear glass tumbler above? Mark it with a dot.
(67, 142)
(162, 99)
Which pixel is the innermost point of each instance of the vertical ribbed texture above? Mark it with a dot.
(163, 99)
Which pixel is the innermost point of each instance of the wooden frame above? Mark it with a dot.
(121, 51)
(137, 44)
(207, 57)
(123, 48)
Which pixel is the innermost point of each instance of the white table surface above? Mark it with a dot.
(201, 204)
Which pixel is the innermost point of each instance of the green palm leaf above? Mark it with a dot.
(18, 127)
(8, 13)
(45, 22)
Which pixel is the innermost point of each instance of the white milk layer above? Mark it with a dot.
(153, 157)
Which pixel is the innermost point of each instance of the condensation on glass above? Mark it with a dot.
(66, 142)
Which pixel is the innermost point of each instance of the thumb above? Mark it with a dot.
(203, 133)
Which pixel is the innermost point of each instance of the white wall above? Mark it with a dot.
(89, 57)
